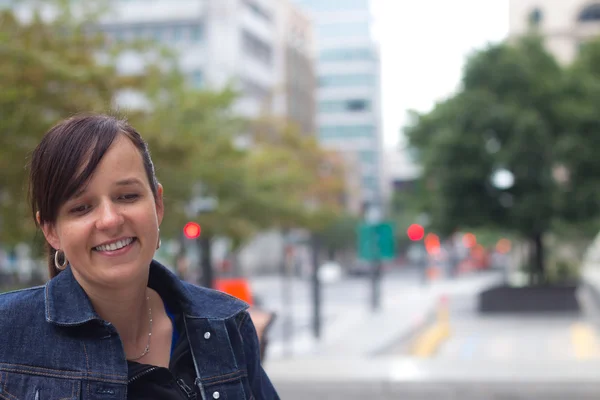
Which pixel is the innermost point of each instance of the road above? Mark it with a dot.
(349, 293)
(485, 358)
(515, 338)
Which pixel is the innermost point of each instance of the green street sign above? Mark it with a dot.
(376, 241)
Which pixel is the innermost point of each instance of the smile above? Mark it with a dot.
(119, 244)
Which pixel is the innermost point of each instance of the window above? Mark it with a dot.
(196, 33)
(258, 10)
(535, 17)
(256, 48)
(362, 54)
(178, 33)
(357, 105)
(343, 29)
(590, 13)
(354, 105)
(370, 183)
(119, 35)
(197, 78)
(347, 80)
(254, 90)
(334, 5)
(164, 33)
(346, 131)
(368, 157)
(158, 34)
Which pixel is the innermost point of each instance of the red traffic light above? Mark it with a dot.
(415, 232)
(192, 230)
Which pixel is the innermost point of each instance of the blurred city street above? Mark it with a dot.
(364, 354)
(419, 209)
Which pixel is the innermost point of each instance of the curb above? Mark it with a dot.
(427, 343)
(402, 342)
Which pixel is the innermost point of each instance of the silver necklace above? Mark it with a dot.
(147, 349)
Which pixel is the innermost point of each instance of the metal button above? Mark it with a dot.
(216, 395)
(207, 336)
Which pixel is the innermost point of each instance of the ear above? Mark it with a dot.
(160, 207)
(49, 231)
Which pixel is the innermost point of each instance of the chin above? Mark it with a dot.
(124, 274)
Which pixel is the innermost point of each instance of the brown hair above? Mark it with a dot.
(67, 157)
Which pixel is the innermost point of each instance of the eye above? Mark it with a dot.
(129, 197)
(79, 209)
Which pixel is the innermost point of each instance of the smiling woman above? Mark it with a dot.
(119, 323)
(105, 195)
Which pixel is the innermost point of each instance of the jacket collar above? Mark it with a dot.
(67, 303)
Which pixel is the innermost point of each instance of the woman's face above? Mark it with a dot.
(109, 231)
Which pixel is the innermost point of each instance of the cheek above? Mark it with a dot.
(73, 236)
(148, 217)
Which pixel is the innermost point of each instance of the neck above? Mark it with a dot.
(127, 311)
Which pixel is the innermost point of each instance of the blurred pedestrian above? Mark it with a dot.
(112, 321)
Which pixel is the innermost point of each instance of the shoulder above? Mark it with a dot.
(214, 304)
(22, 307)
(195, 301)
(22, 299)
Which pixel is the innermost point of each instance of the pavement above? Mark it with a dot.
(350, 327)
(363, 354)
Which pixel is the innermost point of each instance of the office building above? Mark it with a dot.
(565, 24)
(348, 70)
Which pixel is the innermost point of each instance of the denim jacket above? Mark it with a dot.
(53, 345)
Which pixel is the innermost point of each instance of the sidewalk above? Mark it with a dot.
(356, 332)
(359, 357)
(390, 378)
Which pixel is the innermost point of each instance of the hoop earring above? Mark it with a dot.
(60, 267)
(159, 241)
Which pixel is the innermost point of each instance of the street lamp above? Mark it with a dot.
(373, 216)
(503, 179)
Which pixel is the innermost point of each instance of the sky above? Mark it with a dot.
(424, 44)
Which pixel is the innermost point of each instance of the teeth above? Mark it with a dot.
(119, 244)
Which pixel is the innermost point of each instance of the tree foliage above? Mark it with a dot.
(48, 71)
(52, 69)
(518, 110)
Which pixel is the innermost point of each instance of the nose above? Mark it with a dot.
(109, 217)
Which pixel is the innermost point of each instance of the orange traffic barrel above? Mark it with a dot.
(236, 287)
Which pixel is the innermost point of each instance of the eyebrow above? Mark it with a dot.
(123, 182)
(129, 181)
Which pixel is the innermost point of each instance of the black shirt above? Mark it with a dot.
(149, 382)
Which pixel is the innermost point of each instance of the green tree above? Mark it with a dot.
(48, 70)
(52, 69)
(509, 115)
(577, 150)
(265, 184)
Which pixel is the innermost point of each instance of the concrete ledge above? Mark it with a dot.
(439, 391)
(411, 370)
(411, 379)
(529, 299)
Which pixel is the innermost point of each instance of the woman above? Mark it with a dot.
(112, 323)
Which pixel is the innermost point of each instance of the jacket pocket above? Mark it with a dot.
(23, 386)
(228, 389)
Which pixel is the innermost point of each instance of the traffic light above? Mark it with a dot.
(192, 230)
(415, 232)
